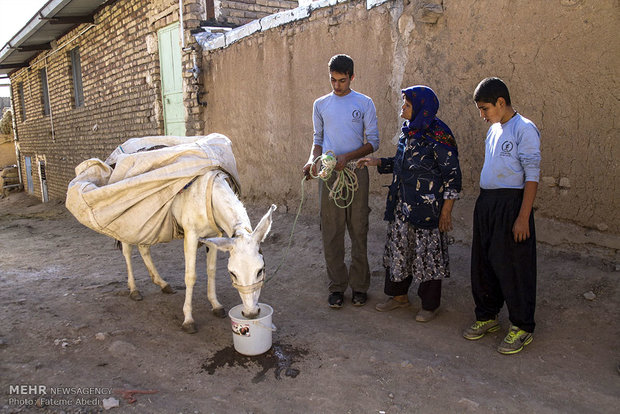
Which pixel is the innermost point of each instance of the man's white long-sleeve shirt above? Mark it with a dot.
(342, 122)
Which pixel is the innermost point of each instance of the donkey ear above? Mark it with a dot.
(264, 225)
(221, 243)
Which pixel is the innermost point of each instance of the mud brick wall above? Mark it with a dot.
(543, 50)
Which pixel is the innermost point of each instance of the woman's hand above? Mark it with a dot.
(368, 161)
(445, 222)
(445, 217)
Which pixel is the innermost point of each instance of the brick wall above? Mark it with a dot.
(240, 12)
(121, 84)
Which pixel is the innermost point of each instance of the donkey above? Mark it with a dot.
(204, 211)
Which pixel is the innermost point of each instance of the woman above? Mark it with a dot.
(426, 181)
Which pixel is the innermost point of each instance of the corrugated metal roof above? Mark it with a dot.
(54, 19)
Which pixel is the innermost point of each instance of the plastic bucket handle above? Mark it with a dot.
(262, 325)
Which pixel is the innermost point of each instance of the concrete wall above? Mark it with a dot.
(560, 59)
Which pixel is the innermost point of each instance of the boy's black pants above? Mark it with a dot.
(502, 270)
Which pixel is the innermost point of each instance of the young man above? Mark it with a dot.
(503, 257)
(345, 122)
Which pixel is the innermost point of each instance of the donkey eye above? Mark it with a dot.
(233, 276)
(261, 273)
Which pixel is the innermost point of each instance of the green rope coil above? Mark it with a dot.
(345, 185)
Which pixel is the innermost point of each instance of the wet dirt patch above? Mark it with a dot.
(280, 358)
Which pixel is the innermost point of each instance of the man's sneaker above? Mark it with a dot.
(514, 341)
(359, 298)
(479, 328)
(335, 300)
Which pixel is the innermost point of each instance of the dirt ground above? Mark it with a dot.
(67, 321)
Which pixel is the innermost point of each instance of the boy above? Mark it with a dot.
(341, 119)
(503, 257)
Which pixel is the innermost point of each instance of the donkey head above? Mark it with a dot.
(246, 265)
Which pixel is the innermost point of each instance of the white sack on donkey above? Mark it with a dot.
(162, 188)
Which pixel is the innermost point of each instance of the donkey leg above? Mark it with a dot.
(131, 282)
(217, 307)
(190, 245)
(145, 252)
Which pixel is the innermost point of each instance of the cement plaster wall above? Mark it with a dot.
(560, 59)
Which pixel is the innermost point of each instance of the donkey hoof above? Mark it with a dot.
(168, 290)
(189, 328)
(219, 312)
(135, 295)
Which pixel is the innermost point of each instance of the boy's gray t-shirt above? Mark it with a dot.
(341, 122)
(512, 154)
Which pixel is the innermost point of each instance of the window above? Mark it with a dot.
(76, 71)
(209, 9)
(22, 102)
(45, 96)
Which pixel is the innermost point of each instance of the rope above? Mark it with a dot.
(345, 184)
(290, 240)
(249, 288)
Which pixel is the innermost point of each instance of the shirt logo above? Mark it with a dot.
(507, 146)
(357, 115)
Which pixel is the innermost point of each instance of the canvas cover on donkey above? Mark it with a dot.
(131, 201)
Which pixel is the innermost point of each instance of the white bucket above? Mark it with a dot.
(252, 336)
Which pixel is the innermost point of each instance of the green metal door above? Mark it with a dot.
(171, 79)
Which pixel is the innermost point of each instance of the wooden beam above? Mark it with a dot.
(70, 19)
(13, 65)
(43, 46)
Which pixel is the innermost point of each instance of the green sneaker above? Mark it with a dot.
(514, 341)
(479, 328)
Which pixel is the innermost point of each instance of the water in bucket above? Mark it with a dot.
(252, 336)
